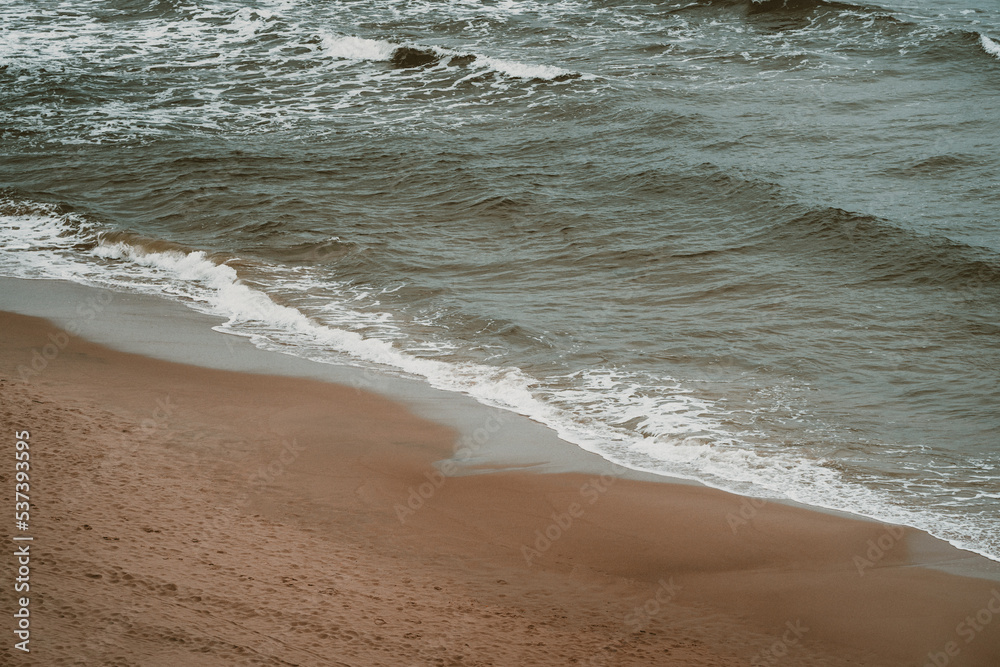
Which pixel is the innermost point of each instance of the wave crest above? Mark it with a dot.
(990, 46)
(405, 56)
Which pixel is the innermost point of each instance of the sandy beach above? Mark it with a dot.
(189, 516)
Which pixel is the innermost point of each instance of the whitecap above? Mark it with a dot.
(358, 48)
(990, 46)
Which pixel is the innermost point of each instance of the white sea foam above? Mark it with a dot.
(34, 238)
(358, 48)
(296, 75)
(247, 22)
(523, 70)
(990, 46)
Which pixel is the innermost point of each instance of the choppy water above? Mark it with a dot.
(754, 244)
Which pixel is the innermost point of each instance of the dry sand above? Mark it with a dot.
(185, 516)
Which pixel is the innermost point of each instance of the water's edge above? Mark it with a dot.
(159, 328)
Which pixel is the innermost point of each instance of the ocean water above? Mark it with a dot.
(750, 243)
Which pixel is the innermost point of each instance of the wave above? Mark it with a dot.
(327, 251)
(777, 6)
(882, 250)
(761, 6)
(133, 10)
(948, 48)
(786, 15)
(933, 166)
(358, 48)
(142, 243)
(841, 23)
(35, 226)
(139, 71)
(876, 248)
(990, 46)
(405, 56)
(891, 253)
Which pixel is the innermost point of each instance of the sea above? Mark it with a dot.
(754, 244)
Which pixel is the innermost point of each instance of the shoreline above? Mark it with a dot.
(162, 329)
(169, 331)
(299, 469)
